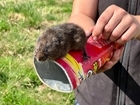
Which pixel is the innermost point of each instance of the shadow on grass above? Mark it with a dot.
(3, 78)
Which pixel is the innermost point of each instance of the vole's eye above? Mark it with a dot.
(46, 50)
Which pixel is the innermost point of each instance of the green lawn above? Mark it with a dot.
(21, 22)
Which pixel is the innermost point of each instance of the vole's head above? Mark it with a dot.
(49, 46)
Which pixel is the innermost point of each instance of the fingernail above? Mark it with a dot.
(95, 38)
(88, 33)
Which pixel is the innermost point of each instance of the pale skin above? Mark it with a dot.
(115, 23)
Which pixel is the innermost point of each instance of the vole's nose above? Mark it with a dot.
(42, 58)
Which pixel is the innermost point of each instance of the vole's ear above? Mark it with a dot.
(46, 50)
(55, 40)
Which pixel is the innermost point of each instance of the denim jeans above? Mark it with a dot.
(76, 102)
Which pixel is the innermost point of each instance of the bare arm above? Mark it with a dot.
(84, 13)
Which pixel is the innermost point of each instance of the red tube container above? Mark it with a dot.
(66, 73)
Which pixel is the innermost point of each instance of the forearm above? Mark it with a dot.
(82, 20)
(84, 17)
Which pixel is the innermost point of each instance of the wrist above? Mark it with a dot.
(137, 17)
(138, 20)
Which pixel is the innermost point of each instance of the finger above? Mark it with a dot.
(128, 35)
(120, 29)
(106, 35)
(89, 32)
(110, 26)
(108, 65)
(102, 21)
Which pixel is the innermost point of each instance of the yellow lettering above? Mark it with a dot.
(95, 66)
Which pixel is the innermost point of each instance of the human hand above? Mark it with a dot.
(115, 57)
(116, 25)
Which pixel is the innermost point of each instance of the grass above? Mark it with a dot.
(21, 22)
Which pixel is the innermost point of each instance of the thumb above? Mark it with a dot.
(89, 32)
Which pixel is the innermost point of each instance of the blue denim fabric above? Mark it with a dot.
(76, 102)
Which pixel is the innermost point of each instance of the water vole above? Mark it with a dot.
(58, 40)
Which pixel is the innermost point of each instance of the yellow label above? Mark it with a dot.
(95, 66)
(75, 65)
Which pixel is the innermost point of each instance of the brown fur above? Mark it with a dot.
(57, 41)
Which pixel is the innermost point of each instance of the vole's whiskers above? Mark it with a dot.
(48, 64)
